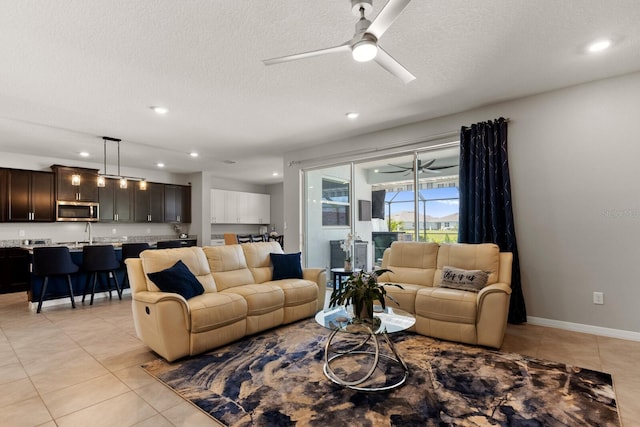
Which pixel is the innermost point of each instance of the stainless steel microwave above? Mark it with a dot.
(77, 211)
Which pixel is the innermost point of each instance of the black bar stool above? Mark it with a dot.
(53, 261)
(130, 250)
(244, 238)
(98, 259)
(169, 244)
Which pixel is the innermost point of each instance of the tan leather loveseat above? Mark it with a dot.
(446, 313)
(239, 297)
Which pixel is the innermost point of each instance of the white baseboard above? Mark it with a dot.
(587, 329)
(33, 306)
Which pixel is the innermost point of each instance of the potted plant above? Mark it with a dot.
(361, 290)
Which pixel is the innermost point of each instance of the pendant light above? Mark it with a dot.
(122, 180)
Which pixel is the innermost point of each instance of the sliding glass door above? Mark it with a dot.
(410, 196)
(328, 212)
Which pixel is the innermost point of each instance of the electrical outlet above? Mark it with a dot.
(113, 231)
(21, 233)
(598, 298)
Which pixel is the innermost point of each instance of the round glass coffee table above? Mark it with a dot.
(342, 321)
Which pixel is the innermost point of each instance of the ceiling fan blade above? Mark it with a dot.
(387, 15)
(435, 168)
(425, 165)
(404, 170)
(401, 167)
(387, 62)
(343, 47)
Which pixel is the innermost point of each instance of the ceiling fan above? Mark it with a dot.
(422, 167)
(364, 44)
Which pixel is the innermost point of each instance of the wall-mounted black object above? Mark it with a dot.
(364, 210)
(377, 203)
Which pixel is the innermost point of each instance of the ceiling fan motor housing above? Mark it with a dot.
(367, 5)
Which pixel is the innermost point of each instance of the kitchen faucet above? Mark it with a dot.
(88, 228)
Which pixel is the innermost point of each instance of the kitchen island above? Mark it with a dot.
(57, 290)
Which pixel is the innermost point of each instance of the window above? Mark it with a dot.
(335, 202)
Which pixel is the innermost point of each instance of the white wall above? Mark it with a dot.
(575, 181)
(277, 206)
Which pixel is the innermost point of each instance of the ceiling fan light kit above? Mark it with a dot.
(364, 50)
(364, 44)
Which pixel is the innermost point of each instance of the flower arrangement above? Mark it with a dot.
(347, 244)
(361, 290)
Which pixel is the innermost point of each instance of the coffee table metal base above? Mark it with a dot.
(356, 384)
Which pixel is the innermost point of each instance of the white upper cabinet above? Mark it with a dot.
(235, 207)
(218, 206)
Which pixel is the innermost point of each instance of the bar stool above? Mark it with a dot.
(130, 250)
(244, 238)
(169, 244)
(53, 261)
(98, 259)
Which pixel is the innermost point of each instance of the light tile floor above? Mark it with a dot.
(80, 367)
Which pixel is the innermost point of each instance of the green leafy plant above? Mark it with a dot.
(361, 290)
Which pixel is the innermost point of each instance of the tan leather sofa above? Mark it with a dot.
(451, 314)
(239, 298)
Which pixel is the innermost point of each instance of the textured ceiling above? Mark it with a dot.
(71, 71)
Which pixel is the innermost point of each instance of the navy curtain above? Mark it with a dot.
(485, 198)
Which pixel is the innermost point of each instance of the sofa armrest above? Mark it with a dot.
(318, 275)
(169, 302)
(493, 310)
(163, 322)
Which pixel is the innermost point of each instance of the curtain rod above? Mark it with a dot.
(376, 150)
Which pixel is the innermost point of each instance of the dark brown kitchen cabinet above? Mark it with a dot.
(177, 203)
(86, 191)
(4, 203)
(116, 204)
(14, 270)
(30, 196)
(149, 203)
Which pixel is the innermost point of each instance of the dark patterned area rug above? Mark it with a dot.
(276, 379)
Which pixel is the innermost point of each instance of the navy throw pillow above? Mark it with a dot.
(286, 266)
(177, 279)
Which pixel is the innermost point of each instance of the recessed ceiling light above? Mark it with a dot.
(84, 154)
(599, 46)
(352, 115)
(160, 110)
(193, 154)
(160, 165)
(275, 174)
(376, 170)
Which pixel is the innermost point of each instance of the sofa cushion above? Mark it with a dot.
(447, 305)
(214, 310)
(193, 257)
(465, 280)
(405, 298)
(410, 262)
(258, 258)
(177, 279)
(483, 256)
(260, 298)
(296, 291)
(228, 266)
(286, 266)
